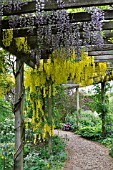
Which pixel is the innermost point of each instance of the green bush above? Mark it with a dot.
(71, 119)
(90, 132)
(111, 151)
(89, 119)
(108, 142)
(85, 119)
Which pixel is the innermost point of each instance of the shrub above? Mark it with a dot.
(87, 118)
(108, 142)
(71, 119)
(111, 151)
(90, 132)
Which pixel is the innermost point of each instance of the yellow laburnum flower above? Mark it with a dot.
(35, 136)
(7, 37)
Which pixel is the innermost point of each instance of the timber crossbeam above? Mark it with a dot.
(52, 5)
(99, 52)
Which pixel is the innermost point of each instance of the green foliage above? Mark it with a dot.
(76, 10)
(111, 151)
(36, 156)
(111, 103)
(6, 143)
(6, 135)
(65, 100)
(6, 156)
(57, 118)
(5, 110)
(6, 79)
(7, 130)
(71, 119)
(107, 142)
(87, 118)
(1, 60)
(96, 104)
(105, 7)
(90, 132)
(39, 158)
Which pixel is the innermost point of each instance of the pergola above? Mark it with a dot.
(101, 53)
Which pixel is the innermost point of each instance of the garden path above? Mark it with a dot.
(84, 154)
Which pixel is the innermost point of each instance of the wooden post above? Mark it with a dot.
(50, 120)
(103, 112)
(77, 106)
(0, 18)
(18, 111)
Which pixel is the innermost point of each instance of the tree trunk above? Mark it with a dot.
(19, 120)
(77, 107)
(103, 112)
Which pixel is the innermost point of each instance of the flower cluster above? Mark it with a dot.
(7, 37)
(40, 84)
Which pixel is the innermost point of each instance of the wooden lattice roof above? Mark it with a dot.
(103, 52)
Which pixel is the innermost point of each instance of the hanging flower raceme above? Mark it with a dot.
(21, 44)
(7, 37)
(58, 69)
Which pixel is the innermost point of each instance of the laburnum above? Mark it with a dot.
(20, 42)
(40, 84)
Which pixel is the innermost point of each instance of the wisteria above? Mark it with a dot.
(54, 28)
(97, 16)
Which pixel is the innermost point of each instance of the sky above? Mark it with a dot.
(90, 88)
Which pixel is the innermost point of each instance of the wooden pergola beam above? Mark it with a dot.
(101, 47)
(19, 54)
(103, 58)
(74, 17)
(107, 25)
(24, 32)
(99, 53)
(52, 5)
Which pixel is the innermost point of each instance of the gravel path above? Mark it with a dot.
(84, 154)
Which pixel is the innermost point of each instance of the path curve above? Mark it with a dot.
(84, 154)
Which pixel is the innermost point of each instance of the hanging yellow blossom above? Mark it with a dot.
(56, 71)
(7, 37)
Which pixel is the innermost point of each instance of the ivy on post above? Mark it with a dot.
(50, 117)
(77, 106)
(18, 111)
(103, 109)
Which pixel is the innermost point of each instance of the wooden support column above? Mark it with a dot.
(50, 120)
(77, 106)
(19, 120)
(103, 112)
(0, 19)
